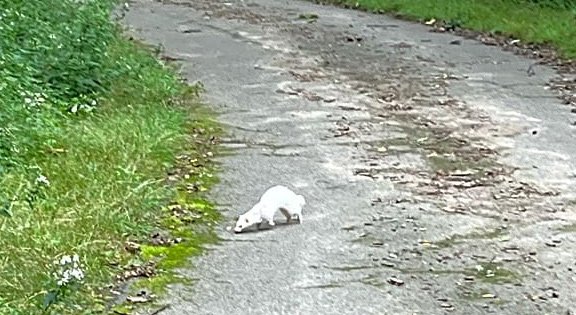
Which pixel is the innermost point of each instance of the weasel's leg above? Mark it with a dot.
(259, 224)
(298, 212)
(269, 220)
(286, 214)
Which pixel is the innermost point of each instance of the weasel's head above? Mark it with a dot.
(245, 221)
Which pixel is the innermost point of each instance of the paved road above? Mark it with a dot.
(438, 176)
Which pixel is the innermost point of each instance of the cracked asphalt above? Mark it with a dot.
(438, 177)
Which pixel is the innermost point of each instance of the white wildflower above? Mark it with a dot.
(65, 260)
(77, 274)
(27, 100)
(70, 270)
(44, 181)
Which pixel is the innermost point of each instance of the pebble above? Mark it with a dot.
(552, 294)
(395, 281)
(188, 29)
(228, 228)
(387, 264)
(446, 305)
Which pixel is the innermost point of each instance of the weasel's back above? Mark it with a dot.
(279, 194)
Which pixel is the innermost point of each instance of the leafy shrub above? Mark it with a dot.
(60, 46)
(51, 52)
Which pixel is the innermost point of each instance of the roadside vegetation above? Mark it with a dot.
(104, 157)
(550, 22)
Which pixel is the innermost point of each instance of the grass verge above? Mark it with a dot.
(102, 149)
(550, 22)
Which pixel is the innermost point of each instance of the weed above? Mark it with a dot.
(492, 272)
(308, 16)
(457, 239)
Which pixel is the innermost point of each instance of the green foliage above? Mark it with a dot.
(95, 115)
(51, 53)
(532, 21)
(56, 46)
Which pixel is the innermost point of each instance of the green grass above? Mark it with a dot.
(543, 22)
(106, 164)
(494, 273)
(475, 235)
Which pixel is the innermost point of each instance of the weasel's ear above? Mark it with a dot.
(237, 218)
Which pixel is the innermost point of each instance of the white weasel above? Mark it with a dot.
(277, 198)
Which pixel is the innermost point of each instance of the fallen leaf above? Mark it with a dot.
(137, 299)
(132, 247)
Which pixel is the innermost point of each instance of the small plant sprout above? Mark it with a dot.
(36, 190)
